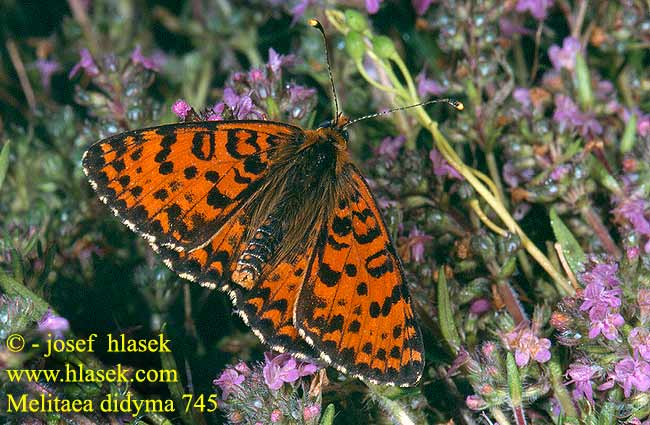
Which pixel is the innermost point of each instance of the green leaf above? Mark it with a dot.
(514, 380)
(583, 79)
(571, 249)
(445, 313)
(4, 162)
(13, 288)
(603, 176)
(328, 415)
(629, 135)
(189, 416)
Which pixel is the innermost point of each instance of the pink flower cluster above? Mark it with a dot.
(284, 369)
(630, 373)
(601, 300)
(526, 345)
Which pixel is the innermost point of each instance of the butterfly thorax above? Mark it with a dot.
(303, 182)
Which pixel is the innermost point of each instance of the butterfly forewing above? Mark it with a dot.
(176, 185)
(354, 306)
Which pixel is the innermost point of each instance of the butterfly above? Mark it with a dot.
(280, 219)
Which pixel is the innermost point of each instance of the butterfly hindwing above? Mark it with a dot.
(268, 307)
(354, 307)
(176, 185)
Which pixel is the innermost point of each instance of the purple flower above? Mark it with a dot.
(604, 89)
(522, 96)
(241, 106)
(276, 416)
(595, 294)
(604, 273)
(307, 368)
(299, 99)
(564, 57)
(53, 324)
(581, 375)
(284, 368)
(537, 8)
(559, 172)
(216, 112)
(372, 6)
(567, 114)
(243, 368)
(311, 412)
(632, 253)
(427, 86)
(421, 6)
(181, 108)
(631, 373)
(604, 321)
(509, 28)
(229, 381)
(590, 125)
(153, 62)
(512, 176)
(47, 68)
(416, 240)
(643, 125)
(475, 402)
(634, 211)
(299, 9)
(527, 345)
(441, 167)
(639, 340)
(480, 306)
(86, 63)
(277, 61)
(390, 147)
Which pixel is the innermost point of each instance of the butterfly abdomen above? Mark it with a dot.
(259, 251)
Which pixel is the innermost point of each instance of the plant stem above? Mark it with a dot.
(451, 156)
(601, 231)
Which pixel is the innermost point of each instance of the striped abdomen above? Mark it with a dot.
(259, 251)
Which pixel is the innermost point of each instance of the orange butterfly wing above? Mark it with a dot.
(200, 224)
(354, 307)
(176, 184)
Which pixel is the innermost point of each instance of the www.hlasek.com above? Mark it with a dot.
(80, 373)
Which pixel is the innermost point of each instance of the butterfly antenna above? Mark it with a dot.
(316, 24)
(458, 105)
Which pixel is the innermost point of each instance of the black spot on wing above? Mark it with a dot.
(328, 276)
(217, 200)
(253, 165)
(374, 309)
(341, 225)
(190, 172)
(378, 264)
(166, 168)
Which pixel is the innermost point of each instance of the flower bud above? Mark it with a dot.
(483, 245)
(383, 47)
(354, 45)
(561, 321)
(475, 402)
(355, 20)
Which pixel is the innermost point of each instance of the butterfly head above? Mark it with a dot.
(333, 132)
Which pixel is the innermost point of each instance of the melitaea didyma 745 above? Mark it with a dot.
(279, 218)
